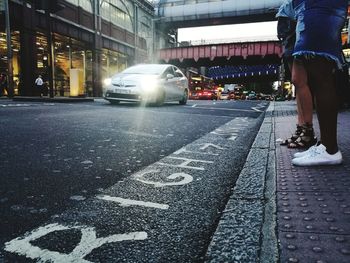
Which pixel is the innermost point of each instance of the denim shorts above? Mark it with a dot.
(318, 30)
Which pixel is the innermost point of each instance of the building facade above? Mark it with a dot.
(86, 40)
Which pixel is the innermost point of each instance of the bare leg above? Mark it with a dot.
(300, 116)
(301, 120)
(304, 97)
(321, 73)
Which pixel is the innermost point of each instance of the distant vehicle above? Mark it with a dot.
(224, 95)
(268, 97)
(231, 95)
(203, 95)
(252, 96)
(280, 98)
(149, 83)
(239, 95)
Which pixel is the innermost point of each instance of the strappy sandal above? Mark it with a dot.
(294, 137)
(305, 140)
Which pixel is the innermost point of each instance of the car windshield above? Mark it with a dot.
(151, 69)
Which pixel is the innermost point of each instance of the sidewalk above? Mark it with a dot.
(313, 204)
(282, 213)
(55, 99)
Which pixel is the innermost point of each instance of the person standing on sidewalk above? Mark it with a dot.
(304, 136)
(3, 84)
(317, 55)
(39, 85)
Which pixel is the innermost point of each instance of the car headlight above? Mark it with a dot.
(149, 85)
(107, 81)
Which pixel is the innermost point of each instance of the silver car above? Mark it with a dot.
(148, 83)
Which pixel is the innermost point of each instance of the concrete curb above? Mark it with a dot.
(247, 229)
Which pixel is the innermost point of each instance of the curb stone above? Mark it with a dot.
(247, 229)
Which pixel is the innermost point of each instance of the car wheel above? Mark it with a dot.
(183, 101)
(160, 98)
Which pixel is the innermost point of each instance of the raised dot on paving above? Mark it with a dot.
(340, 239)
(317, 249)
(313, 238)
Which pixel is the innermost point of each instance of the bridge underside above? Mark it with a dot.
(180, 13)
(206, 20)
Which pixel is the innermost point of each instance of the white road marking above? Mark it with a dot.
(194, 105)
(130, 202)
(23, 245)
(183, 150)
(224, 109)
(185, 163)
(15, 105)
(186, 179)
(207, 145)
(256, 109)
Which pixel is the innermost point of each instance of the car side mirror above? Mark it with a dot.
(169, 76)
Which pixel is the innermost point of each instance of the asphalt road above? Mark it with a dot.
(96, 182)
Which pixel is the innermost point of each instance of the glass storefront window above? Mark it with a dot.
(15, 44)
(71, 54)
(112, 63)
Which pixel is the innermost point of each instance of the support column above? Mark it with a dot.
(96, 52)
(28, 59)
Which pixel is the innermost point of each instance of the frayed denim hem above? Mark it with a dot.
(312, 54)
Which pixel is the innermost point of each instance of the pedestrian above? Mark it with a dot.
(317, 56)
(3, 85)
(304, 136)
(39, 85)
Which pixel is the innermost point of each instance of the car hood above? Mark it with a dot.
(132, 79)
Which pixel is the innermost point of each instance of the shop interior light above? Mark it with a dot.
(45, 58)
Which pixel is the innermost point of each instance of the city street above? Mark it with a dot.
(95, 182)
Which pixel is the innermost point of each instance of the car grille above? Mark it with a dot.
(124, 86)
(123, 96)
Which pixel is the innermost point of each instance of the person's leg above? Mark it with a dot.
(304, 97)
(321, 72)
(300, 116)
(306, 136)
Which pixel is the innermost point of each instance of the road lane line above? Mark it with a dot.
(130, 202)
(215, 108)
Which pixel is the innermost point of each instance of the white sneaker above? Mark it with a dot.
(318, 156)
(308, 151)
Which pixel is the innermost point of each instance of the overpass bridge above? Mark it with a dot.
(174, 14)
(192, 13)
(227, 51)
(227, 61)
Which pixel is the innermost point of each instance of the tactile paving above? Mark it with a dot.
(317, 212)
(313, 203)
(314, 248)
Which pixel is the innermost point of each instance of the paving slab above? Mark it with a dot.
(313, 203)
